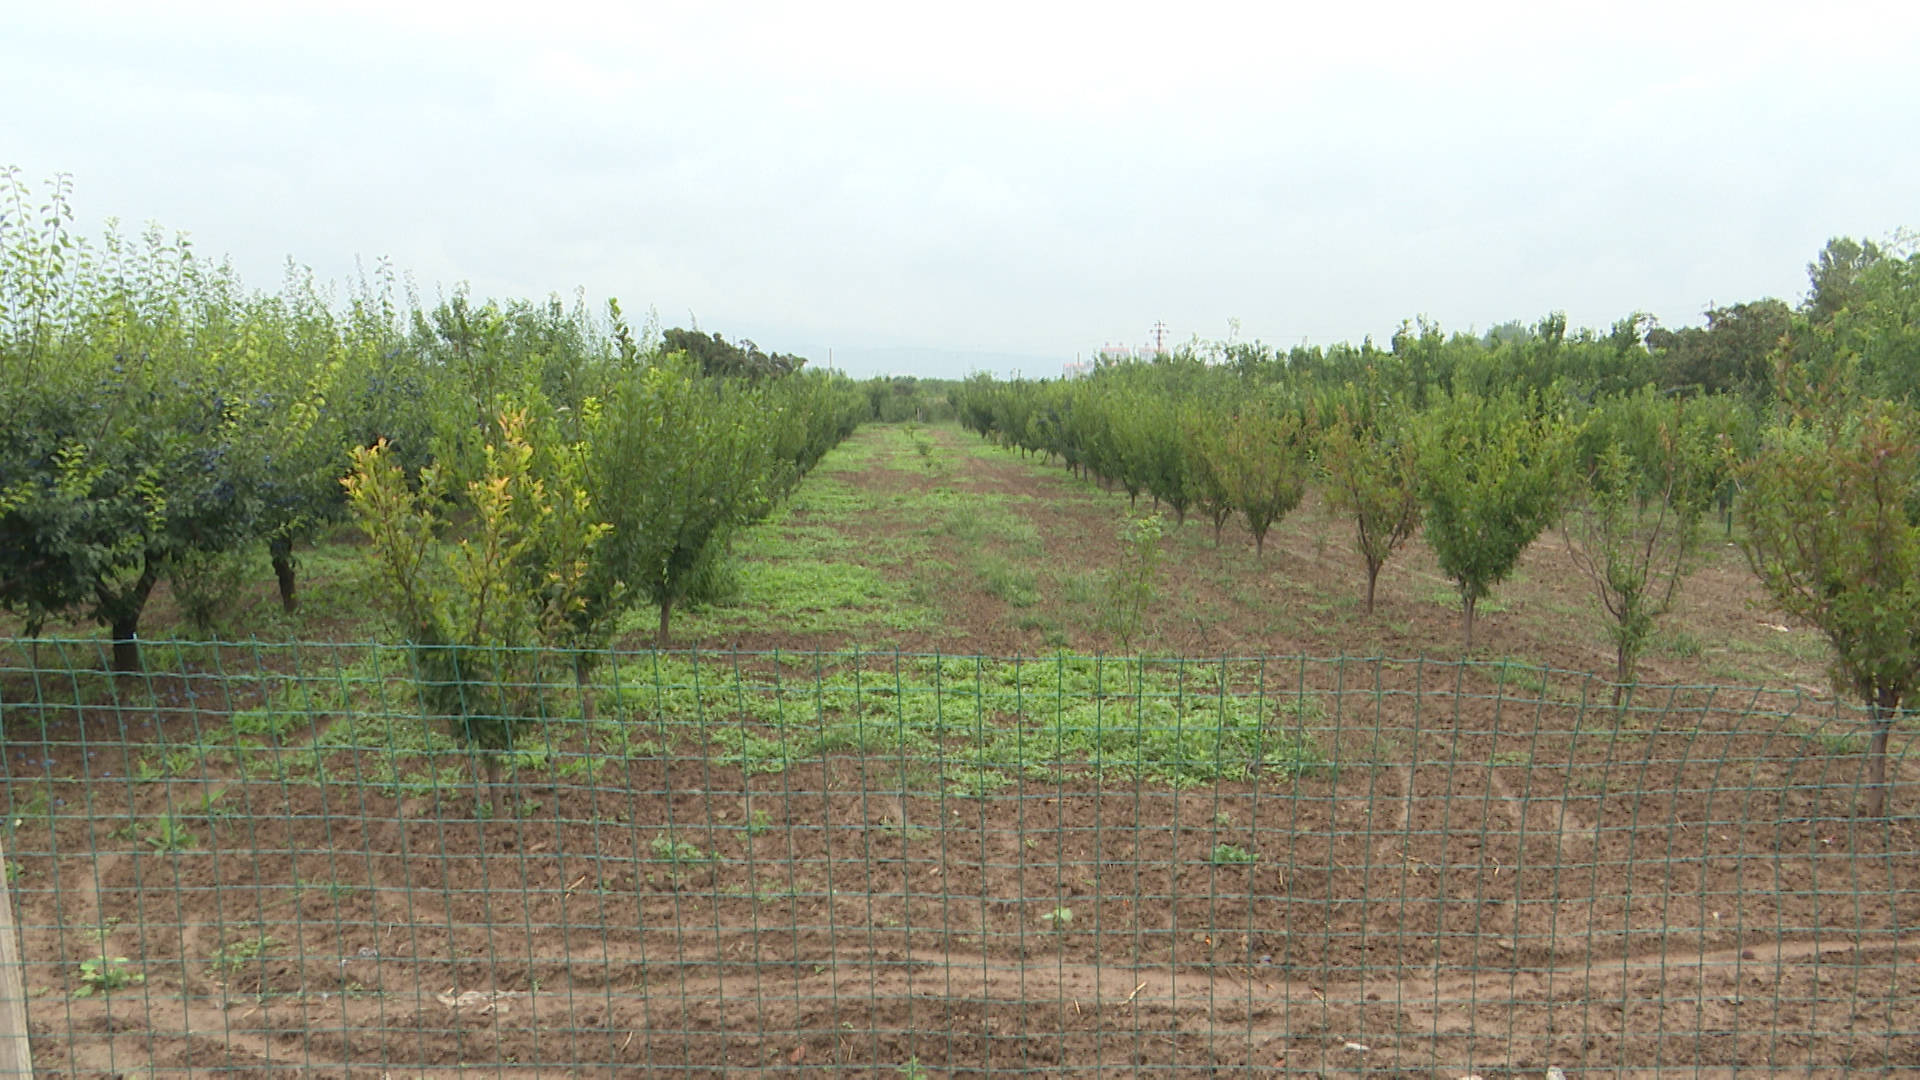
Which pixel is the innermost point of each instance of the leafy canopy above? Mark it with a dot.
(1832, 509)
(1493, 472)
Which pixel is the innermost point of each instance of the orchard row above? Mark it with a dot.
(528, 471)
(1798, 424)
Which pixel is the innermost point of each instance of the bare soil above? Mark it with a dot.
(1450, 916)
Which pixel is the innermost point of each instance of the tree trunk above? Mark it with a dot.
(1877, 763)
(489, 764)
(122, 611)
(1373, 576)
(1260, 544)
(666, 618)
(1470, 602)
(586, 692)
(1218, 525)
(1622, 673)
(280, 550)
(126, 644)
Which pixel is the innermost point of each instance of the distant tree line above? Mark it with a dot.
(720, 358)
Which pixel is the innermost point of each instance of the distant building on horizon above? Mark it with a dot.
(1114, 352)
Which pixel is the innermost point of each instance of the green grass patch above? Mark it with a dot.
(677, 852)
(238, 954)
(1232, 855)
(977, 520)
(824, 497)
(1677, 644)
(1081, 589)
(1177, 723)
(1016, 583)
(964, 725)
(782, 540)
(1448, 597)
(1519, 676)
(1834, 741)
(811, 595)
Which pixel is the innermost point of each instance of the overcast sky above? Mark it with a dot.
(934, 188)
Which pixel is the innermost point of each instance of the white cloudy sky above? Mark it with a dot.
(1000, 185)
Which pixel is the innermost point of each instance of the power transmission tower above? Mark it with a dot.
(1159, 338)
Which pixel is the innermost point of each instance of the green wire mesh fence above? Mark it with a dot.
(275, 860)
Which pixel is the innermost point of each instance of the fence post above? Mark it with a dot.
(16, 1054)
